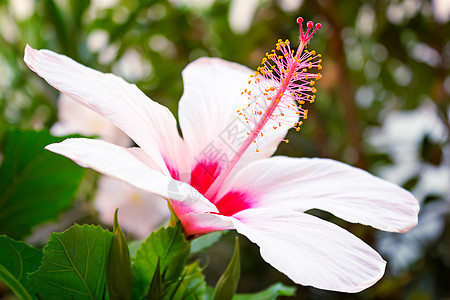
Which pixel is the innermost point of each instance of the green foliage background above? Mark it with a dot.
(372, 66)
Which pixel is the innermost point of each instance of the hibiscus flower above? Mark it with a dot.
(220, 174)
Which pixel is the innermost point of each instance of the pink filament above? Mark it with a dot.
(293, 64)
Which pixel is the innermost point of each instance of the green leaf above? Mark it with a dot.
(118, 271)
(74, 264)
(156, 290)
(35, 185)
(133, 247)
(192, 285)
(205, 241)
(228, 282)
(17, 259)
(271, 293)
(170, 245)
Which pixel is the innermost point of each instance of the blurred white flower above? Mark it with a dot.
(139, 212)
(290, 5)
(241, 14)
(401, 136)
(22, 9)
(132, 66)
(75, 118)
(441, 10)
(194, 4)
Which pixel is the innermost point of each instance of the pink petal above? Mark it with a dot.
(198, 224)
(133, 166)
(311, 251)
(347, 192)
(151, 125)
(212, 128)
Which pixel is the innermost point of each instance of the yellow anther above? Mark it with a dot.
(287, 141)
(319, 76)
(319, 67)
(312, 82)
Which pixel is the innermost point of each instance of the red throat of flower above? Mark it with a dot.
(281, 85)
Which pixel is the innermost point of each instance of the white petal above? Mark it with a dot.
(151, 125)
(311, 251)
(208, 113)
(347, 192)
(132, 166)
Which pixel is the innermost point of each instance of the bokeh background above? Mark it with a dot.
(383, 103)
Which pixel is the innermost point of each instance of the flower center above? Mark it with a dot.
(283, 84)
